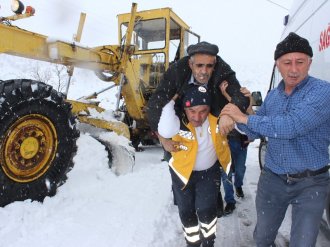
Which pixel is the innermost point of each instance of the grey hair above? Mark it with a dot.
(192, 58)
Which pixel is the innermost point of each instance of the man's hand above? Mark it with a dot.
(231, 110)
(223, 86)
(226, 124)
(247, 93)
(168, 144)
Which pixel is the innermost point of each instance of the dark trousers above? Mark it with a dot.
(307, 197)
(197, 202)
(238, 159)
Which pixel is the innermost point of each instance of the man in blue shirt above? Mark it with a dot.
(296, 119)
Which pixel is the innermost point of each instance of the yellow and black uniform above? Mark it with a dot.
(183, 162)
(195, 166)
(196, 189)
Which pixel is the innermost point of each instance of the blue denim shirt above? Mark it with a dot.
(297, 127)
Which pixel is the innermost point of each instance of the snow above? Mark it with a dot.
(95, 207)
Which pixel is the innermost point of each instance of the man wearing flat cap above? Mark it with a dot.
(195, 167)
(295, 118)
(202, 66)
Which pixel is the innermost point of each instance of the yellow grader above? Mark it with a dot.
(39, 126)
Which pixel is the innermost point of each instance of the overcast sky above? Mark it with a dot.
(246, 31)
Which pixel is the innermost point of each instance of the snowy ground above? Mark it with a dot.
(97, 208)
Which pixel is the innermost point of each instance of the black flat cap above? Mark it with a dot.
(293, 43)
(203, 48)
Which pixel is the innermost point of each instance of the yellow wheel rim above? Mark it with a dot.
(29, 147)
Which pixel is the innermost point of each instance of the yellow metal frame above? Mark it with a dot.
(166, 13)
(132, 91)
(116, 59)
(82, 111)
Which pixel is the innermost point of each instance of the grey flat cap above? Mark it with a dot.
(203, 48)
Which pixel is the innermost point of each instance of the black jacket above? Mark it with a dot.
(175, 80)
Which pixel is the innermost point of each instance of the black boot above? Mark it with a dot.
(230, 207)
(239, 192)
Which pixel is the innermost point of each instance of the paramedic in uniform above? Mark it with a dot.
(195, 164)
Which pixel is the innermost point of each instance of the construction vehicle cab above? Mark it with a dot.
(160, 38)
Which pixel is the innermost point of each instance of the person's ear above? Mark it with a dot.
(310, 61)
(191, 63)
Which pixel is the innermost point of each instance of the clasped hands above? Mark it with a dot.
(231, 113)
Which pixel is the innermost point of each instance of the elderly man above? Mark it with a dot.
(295, 117)
(195, 167)
(201, 67)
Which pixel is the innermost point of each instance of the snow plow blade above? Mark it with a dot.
(121, 158)
(118, 127)
(89, 112)
(120, 154)
(113, 134)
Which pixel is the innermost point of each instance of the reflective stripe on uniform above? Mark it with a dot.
(183, 179)
(228, 168)
(192, 234)
(186, 134)
(209, 229)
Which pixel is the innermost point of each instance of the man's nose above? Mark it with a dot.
(198, 118)
(204, 69)
(294, 67)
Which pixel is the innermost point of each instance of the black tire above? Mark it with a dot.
(37, 140)
(262, 152)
